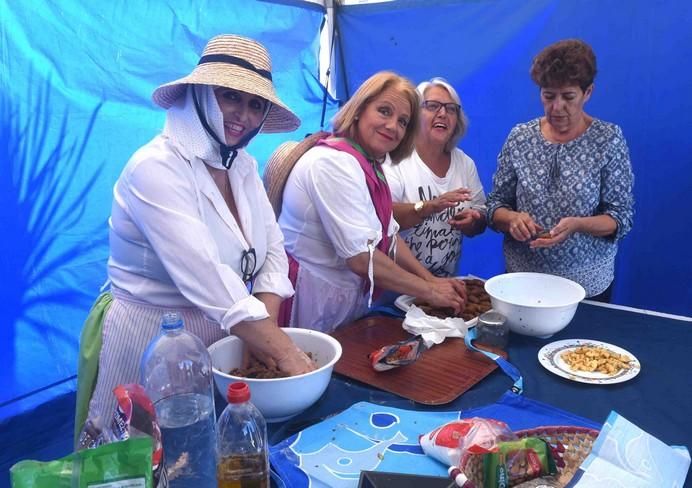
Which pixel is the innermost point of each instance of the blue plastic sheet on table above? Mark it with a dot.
(374, 437)
(624, 456)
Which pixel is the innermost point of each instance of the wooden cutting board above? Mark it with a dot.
(440, 374)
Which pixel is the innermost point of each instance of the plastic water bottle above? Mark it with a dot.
(242, 442)
(176, 374)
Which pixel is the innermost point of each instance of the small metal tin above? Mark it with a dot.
(492, 329)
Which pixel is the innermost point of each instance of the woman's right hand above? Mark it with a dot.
(447, 292)
(265, 340)
(522, 227)
(448, 200)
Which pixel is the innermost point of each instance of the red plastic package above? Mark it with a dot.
(135, 415)
(451, 442)
(395, 355)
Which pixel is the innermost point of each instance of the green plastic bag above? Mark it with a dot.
(122, 464)
(517, 461)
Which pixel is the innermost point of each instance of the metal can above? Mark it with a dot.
(492, 329)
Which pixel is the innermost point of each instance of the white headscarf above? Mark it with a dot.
(184, 127)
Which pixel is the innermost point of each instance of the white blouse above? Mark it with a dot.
(174, 242)
(327, 216)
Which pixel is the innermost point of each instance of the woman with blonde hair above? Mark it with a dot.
(336, 214)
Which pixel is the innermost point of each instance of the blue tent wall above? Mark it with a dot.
(76, 79)
(485, 49)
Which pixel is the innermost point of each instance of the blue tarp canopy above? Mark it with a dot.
(76, 79)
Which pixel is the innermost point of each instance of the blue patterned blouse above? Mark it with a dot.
(587, 176)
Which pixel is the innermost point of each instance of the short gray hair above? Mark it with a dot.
(462, 120)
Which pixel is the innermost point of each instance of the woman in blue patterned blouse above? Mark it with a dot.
(562, 192)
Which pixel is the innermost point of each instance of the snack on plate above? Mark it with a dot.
(477, 302)
(595, 359)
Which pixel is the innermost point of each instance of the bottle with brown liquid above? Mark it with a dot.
(241, 442)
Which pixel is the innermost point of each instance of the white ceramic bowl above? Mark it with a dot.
(279, 398)
(535, 304)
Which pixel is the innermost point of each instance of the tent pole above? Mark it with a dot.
(337, 35)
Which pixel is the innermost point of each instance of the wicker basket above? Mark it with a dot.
(570, 446)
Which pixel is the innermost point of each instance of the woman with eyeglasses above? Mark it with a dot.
(562, 192)
(336, 214)
(438, 196)
(192, 229)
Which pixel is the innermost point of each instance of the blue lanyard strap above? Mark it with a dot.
(506, 366)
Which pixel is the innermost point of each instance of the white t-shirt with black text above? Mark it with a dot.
(434, 243)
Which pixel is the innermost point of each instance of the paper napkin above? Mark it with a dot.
(433, 330)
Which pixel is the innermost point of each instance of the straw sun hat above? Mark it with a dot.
(241, 64)
(280, 164)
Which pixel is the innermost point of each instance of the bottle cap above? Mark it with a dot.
(238, 392)
(171, 321)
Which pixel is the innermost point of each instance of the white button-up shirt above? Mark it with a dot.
(174, 242)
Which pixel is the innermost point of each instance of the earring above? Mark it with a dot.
(356, 118)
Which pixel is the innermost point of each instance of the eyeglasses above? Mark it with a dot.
(248, 262)
(434, 106)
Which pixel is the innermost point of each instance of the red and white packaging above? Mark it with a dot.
(135, 415)
(453, 441)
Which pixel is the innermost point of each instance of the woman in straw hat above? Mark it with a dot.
(192, 229)
(336, 214)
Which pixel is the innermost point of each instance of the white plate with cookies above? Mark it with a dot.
(589, 361)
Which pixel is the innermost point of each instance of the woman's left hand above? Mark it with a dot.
(267, 342)
(565, 228)
(457, 285)
(466, 221)
(251, 353)
(292, 360)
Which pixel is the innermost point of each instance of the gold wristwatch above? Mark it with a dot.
(418, 206)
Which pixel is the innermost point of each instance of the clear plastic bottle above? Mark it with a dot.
(242, 442)
(176, 374)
